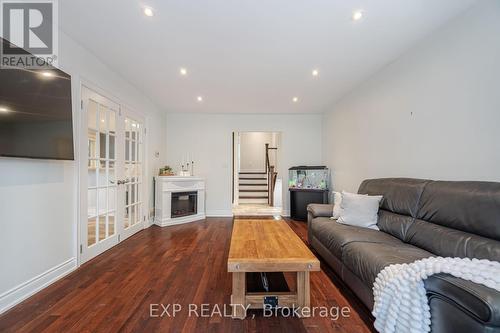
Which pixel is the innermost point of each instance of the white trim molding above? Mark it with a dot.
(26, 289)
(219, 213)
(181, 220)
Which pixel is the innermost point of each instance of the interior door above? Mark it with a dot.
(99, 172)
(111, 177)
(131, 198)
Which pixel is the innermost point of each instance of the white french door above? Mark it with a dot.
(111, 174)
(132, 190)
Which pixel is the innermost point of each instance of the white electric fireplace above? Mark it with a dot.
(179, 200)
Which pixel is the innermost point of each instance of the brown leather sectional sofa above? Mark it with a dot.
(418, 219)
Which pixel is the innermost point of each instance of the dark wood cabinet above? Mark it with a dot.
(300, 198)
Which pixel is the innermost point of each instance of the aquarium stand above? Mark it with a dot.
(300, 198)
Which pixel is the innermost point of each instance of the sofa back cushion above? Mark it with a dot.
(446, 218)
(400, 202)
(447, 242)
(472, 207)
(458, 219)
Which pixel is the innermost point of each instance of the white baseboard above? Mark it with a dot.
(151, 221)
(179, 220)
(26, 289)
(219, 213)
(210, 213)
(285, 213)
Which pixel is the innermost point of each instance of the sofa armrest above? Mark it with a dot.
(313, 211)
(320, 210)
(481, 302)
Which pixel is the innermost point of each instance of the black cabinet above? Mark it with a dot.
(300, 198)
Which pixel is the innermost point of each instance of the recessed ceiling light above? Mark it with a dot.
(148, 11)
(357, 15)
(183, 71)
(315, 72)
(295, 99)
(199, 99)
(3, 109)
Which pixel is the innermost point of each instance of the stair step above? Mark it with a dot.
(252, 173)
(251, 180)
(253, 201)
(253, 194)
(253, 190)
(254, 184)
(253, 197)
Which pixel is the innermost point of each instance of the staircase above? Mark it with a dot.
(253, 188)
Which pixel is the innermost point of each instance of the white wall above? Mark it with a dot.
(433, 113)
(38, 202)
(207, 137)
(253, 150)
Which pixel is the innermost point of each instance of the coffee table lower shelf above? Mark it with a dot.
(241, 300)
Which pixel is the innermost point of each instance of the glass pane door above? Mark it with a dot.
(99, 172)
(111, 177)
(133, 204)
(101, 191)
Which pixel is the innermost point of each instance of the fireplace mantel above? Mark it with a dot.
(165, 186)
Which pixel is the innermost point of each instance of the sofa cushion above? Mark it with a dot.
(395, 224)
(337, 202)
(401, 195)
(366, 260)
(400, 203)
(474, 298)
(359, 210)
(334, 236)
(447, 242)
(472, 207)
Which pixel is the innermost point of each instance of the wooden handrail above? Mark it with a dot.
(271, 181)
(272, 175)
(268, 163)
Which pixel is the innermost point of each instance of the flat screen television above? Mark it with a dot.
(35, 113)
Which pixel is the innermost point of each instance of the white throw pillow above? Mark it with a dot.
(360, 210)
(337, 199)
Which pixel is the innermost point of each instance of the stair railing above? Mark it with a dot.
(272, 175)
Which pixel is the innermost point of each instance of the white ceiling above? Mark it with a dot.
(250, 56)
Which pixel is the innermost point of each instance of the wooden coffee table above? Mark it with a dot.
(268, 246)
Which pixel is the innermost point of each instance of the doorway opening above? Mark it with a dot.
(257, 181)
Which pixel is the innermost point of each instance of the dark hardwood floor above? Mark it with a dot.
(173, 265)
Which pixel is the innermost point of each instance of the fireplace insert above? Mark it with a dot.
(184, 204)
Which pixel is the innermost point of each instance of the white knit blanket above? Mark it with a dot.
(400, 298)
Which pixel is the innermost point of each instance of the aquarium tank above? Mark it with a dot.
(308, 177)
